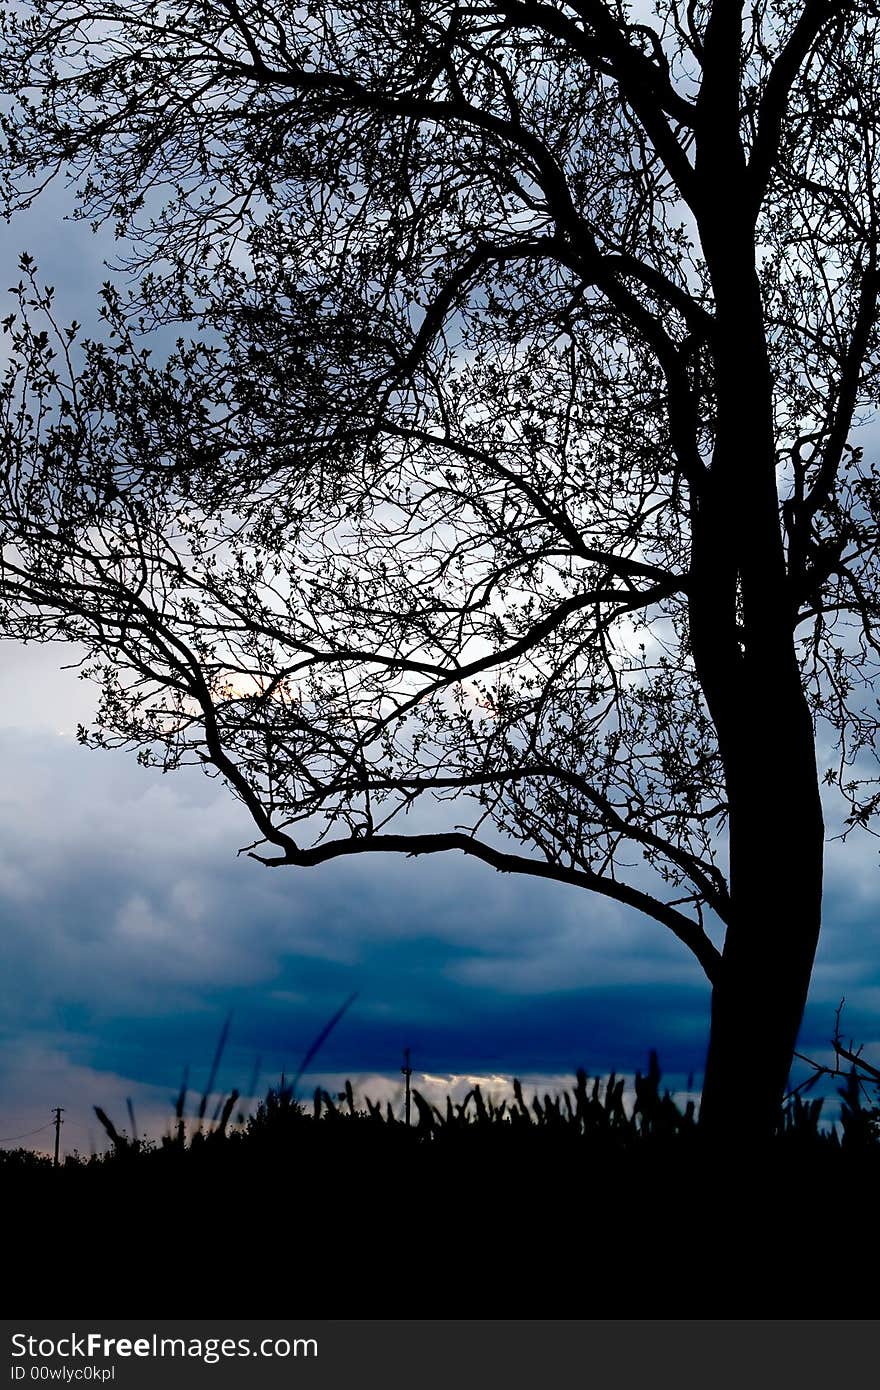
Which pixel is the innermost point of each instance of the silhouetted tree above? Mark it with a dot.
(509, 464)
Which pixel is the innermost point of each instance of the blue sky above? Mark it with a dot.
(129, 926)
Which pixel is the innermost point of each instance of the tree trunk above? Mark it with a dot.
(776, 850)
(742, 632)
(746, 657)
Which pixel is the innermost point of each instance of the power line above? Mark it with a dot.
(12, 1138)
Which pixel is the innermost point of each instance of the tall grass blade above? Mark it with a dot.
(321, 1039)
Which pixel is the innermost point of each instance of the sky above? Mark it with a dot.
(130, 927)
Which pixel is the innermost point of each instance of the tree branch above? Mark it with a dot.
(706, 877)
(814, 17)
(687, 930)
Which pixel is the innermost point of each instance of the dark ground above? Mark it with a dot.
(353, 1217)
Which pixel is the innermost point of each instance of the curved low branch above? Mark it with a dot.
(685, 928)
(705, 876)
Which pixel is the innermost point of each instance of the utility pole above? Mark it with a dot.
(59, 1110)
(407, 1072)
